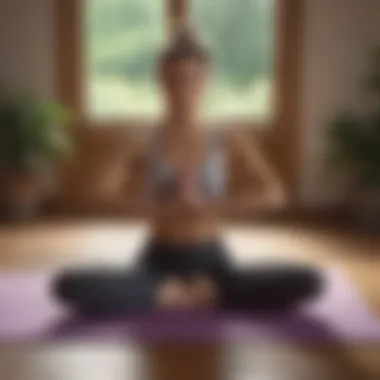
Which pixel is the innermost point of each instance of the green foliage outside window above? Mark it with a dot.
(124, 36)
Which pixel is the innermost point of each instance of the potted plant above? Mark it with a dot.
(33, 137)
(355, 151)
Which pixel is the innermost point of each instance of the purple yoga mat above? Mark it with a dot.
(29, 313)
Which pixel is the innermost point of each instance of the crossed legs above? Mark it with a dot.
(106, 292)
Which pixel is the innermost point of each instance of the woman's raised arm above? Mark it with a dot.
(269, 193)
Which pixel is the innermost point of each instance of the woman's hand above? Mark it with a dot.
(189, 195)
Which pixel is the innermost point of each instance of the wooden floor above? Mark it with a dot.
(56, 244)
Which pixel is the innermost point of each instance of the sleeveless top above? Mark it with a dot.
(211, 174)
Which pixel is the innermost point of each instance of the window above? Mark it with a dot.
(240, 35)
(106, 53)
(123, 37)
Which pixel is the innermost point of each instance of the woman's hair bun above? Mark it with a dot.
(185, 45)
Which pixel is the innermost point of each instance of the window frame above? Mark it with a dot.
(279, 138)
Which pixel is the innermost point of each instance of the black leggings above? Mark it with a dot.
(110, 292)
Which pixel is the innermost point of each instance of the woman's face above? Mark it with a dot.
(183, 83)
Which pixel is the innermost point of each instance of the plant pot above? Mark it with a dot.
(22, 195)
(367, 209)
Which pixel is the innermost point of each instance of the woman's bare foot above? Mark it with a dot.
(204, 292)
(173, 293)
(198, 292)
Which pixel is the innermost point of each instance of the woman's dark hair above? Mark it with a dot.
(185, 45)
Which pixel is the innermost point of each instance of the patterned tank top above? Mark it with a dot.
(212, 174)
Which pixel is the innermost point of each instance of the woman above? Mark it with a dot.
(185, 264)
